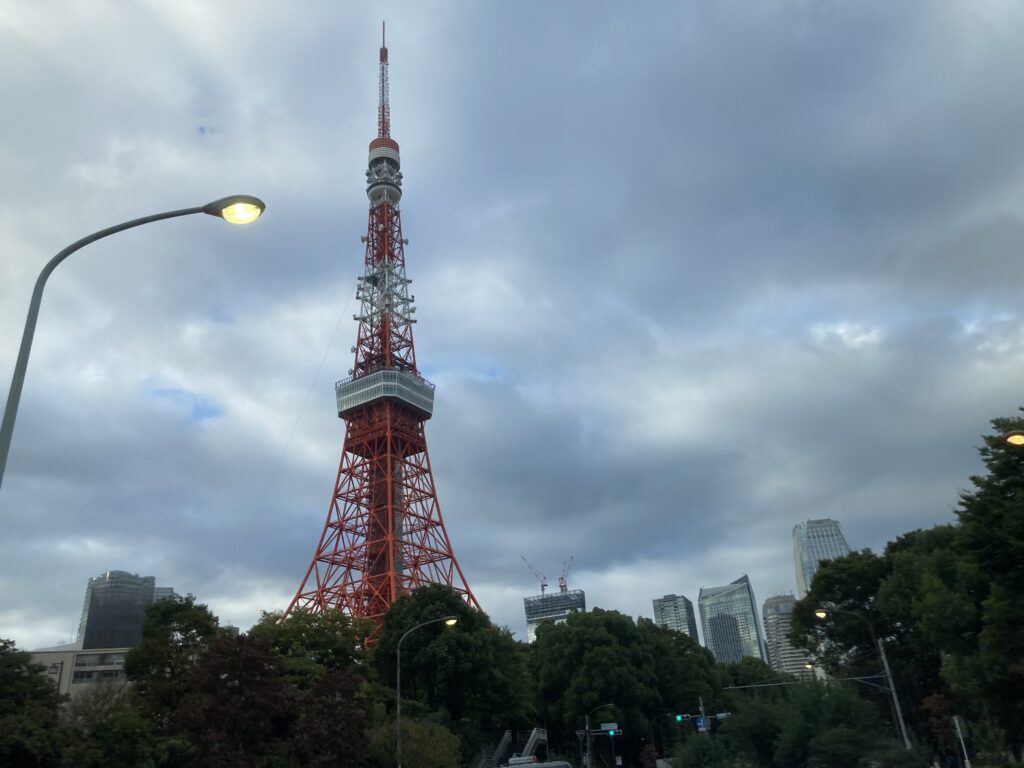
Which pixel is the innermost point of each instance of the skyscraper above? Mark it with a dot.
(728, 616)
(814, 541)
(114, 607)
(783, 656)
(675, 612)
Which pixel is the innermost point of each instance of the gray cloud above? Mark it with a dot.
(687, 275)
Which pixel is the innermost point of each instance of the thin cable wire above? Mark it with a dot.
(302, 408)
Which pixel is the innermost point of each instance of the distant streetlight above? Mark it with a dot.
(449, 621)
(237, 209)
(822, 613)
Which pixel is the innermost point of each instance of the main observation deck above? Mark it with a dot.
(385, 384)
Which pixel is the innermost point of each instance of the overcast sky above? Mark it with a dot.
(688, 273)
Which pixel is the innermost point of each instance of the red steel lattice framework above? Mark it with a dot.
(384, 533)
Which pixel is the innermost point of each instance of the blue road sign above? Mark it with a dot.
(702, 723)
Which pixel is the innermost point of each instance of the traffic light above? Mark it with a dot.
(613, 732)
(681, 718)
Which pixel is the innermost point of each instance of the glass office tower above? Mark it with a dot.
(728, 617)
(114, 608)
(814, 541)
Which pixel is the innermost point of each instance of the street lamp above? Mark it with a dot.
(590, 741)
(449, 621)
(822, 613)
(1015, 437)
(236, 209)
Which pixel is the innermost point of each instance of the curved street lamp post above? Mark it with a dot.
(590, 741)
(448, 620)
(822, 614)
(236, 209)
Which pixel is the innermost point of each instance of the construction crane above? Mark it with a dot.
(540, 576)
(563, 580)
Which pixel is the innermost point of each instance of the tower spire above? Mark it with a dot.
(383, 108)
(384, 534)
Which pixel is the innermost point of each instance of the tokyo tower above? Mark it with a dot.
(384, 533)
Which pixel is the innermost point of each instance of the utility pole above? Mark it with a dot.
(590, 759)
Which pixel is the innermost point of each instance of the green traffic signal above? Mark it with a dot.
(611, 733)
(679, 718)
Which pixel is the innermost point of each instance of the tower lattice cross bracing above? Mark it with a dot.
(384, 533)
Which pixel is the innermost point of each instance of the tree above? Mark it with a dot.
(604, 657)
(333, 722)
(176, 633)
(425, 744)
(702, 752)
(29, 706)
(310, 644)
(102, 727)
(239, 707)
(473, 673)
(992, 529)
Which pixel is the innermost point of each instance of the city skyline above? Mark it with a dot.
(685, 276)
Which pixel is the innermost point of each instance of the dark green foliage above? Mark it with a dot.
(425, 744)
(703, 752)
(309, 643)
(333, 723)
(104, 727)
(28, 711)
(239, 706)
(604, 657)
(472, 675)
(175, 636)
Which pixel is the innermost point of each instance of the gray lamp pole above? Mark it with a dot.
(590, 741)
(237, 209)
(822, 613)
(449, 620)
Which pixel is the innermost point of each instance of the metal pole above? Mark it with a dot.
(18, 380)
(892, 691)
(959, 735)
(398, 684)
(398, 705)
(590, 759)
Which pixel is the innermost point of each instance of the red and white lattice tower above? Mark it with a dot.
(384, 533)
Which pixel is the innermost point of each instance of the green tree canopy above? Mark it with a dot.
(310, 643)
(603, 657)
(28, 711)
(473, 673)
(175, 636)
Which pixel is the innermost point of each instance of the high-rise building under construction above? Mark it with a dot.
(554, 607)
